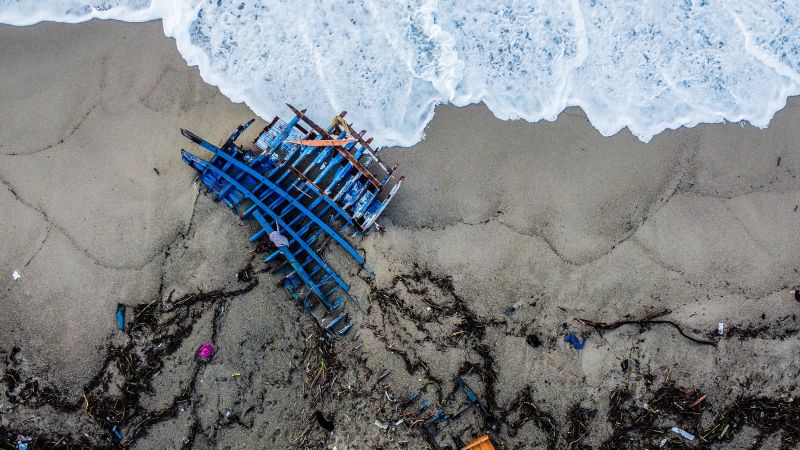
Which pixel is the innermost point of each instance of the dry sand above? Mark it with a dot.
(503, 235)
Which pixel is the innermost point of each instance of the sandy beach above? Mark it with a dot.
(505, 237)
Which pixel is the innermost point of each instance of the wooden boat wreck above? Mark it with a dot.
(304, 186)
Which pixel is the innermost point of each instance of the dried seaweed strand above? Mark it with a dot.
(650, 319)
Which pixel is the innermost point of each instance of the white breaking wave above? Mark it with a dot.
(647, 65)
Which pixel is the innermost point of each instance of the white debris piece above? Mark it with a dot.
(721, 328)
(16, 276)
(381, 425)
(684, 434)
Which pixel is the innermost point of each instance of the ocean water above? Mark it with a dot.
(647, 65)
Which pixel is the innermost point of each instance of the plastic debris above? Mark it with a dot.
(574, 340)
(278, 239)
(117, 432)
(683, 433)
(381, 425)
(16, 275)
(206, 351)
(662, 442)
(121, 316)
(721, 328)
(384, 375)
(236, 374)
(22, 442)
(399, 422)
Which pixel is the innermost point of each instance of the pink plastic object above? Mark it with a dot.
(206, 351)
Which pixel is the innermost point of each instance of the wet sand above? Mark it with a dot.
(502, 237)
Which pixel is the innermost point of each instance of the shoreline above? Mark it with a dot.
(503, 235)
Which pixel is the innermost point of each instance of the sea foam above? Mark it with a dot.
(647, 65)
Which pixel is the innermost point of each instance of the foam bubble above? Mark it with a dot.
(647, 66)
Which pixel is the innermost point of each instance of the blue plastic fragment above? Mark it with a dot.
(121, 317)
(117, 433)
(684, 434)
(574, 340)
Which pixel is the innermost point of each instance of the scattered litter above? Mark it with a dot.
(206, 351)
(121, 316)
(574, 340)
(698, 401)
(662, 442)
(442, 418)
(278, 239)
(16, 276)
(384, 375)
(399, 422)
(481, 443)
(684, 434)
(381, 425)
(156, 171)
(117, 432)
(236, 374)
(22, 442)
(721, 328)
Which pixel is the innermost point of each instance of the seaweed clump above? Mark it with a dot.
(112, 397)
